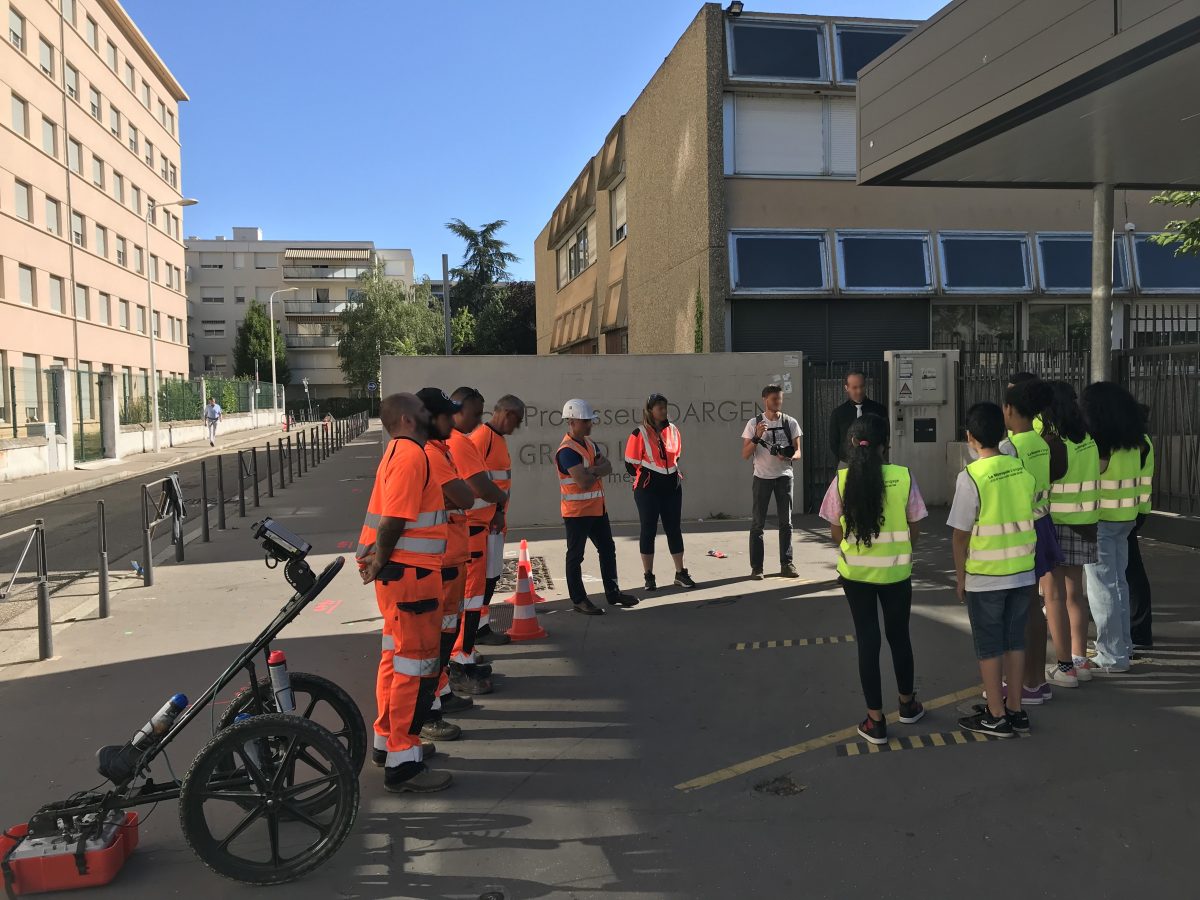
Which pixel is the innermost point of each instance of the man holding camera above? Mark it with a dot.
(772, 441)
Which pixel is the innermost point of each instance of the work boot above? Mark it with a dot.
(623, 600)
(415, 778)
(468, 680)
(440, 730)
(379, 757)
(452, 703)
(588, 608)
(486, 637)
(788, 570)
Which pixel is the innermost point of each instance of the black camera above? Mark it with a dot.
(787, 451)
(283, 546)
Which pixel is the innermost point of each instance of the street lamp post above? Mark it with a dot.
(271, 314)
(151, 209)
(307, 396)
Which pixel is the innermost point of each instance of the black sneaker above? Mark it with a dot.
(1018, 720)
(788, 570)
(587, 608)
(415, 778)
(486, 637)
(452, 703)
(623, 600)
(651, 584)
(756, 575)
(983, 722)
(912, 711)
(873, 730)
(683, 579)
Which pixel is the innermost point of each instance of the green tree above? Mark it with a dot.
(1182, 234)
(485, 262)
(508, 319)
(253, 345)
(389, 319)
(462, 331)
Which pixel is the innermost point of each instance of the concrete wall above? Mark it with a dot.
(22, 457)
(715, 394)
(140, 438)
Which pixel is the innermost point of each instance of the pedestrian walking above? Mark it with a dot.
(857, 405)
(652, 455)
(1116, 423)
(771, 441)
(212, 415)
(582, 469)
(873, 508)
(994, 551)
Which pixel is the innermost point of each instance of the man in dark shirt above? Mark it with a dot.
(855, 407)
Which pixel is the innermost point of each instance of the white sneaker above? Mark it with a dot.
(1083, 669)
(1059, 678)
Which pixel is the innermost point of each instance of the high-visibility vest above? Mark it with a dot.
(423, 542)
(1003, 539)
(574, 499)
(1034, 453)
(1121, 486)
(1075, 498)
(494, 450)
(654, 451)
(456, 525)
(1147, 481)
(889, 558)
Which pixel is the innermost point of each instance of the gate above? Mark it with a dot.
(88, 444)
(824, 389)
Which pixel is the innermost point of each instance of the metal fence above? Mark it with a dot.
(824, 389)
(1162, 325)
(983, 374)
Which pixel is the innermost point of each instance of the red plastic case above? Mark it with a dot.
(58, 873)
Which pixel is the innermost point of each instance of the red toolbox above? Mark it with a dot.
(54, 864)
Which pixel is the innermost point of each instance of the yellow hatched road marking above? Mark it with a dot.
(917, 742)
(793, 642)
(938, 740)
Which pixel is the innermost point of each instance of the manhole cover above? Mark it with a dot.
(783, 786)
(541, 575)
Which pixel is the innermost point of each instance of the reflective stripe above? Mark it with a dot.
(472, 602)
(1003, 553)
(589, 495)
(399, 757)
(429, 519)
(364, 549)
(371, 520)
(877, 562)
(417, 668)
(664, 470)
(632, 460)
(1123, 484)
(389, 642)
(500, 474)
(1063, 488)
(1146, 480)
(1122, 503)
(1082, 507)
(480, 503)
(449, 623)
(421, 545)
(1002, 529)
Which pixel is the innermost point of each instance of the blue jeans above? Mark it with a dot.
(1108, 594)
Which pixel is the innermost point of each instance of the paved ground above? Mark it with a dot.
(640, 755)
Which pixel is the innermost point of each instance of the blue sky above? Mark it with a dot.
(383, 122)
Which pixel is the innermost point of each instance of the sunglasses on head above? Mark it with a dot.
(655, 398)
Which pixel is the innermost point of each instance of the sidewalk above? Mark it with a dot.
(27, 492)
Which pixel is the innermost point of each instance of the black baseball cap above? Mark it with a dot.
(438, 402)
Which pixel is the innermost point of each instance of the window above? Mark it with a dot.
(20, 116)
(779, 261)
(157, 324)
(985, 325)
(123, 312)
(265, 261)
(858, 45)
(214, 363)
(149, 153)
(101, 247)
(212, 296)
(320, 295)
(16, 29)
(620, 226)
(129, 75)
(777, 51)
(170, 122)
(68, 10)
(984, 263)
(1055, 327)
(151, 211)
(1160, 270)
(173, 176)
(114, 121)
(72, 82)
(46, 56)
(50, 137)
(884, 261)
(575, 255)
(138, 259)
(110, 55)
(81, 302)
(239, 295)
(25, 282)
(122, 257)
(239, 260)
(53, 216)
(23, 196)
(145, 95)
(93, 34)
(97, 171)
(75, 156)
(164, 167)
(94, 99)
(212, 261)
(153, 267)
(56, 294)
(213, 328)
(135, 198)
(774, 135)
(104, 308)
(141, 319)
(77, 234)
(1065, 263)
(132, 131)
(118, 186)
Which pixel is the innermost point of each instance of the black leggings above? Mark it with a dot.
(896, 600)
(654, 505)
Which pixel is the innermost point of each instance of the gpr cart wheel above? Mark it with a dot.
(248, 803)
(318, 699)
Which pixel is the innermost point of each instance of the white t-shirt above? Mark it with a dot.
(781, 432)
(964, 512)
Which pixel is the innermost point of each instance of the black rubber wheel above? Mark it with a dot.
(318, 699)
(248, 803)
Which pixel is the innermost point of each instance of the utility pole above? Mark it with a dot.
(446, 302)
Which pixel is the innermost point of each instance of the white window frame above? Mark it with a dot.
(823, 48)
(44, 44)
(729, 106)
(886, 234)
(779, 234)
(882, 28)
(1119, 249)
(982, 290)
(613, 236)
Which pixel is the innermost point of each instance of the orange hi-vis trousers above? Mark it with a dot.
(475, 588)
(454, 583)
(409, 600)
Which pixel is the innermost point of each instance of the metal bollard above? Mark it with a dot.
(282, 473)
(291, 470)
(302, 461)
(221, 492)
(102, 547)
(254, 466)
(270, 473)
(241, 485)
(205, 535)
(45, 631)
(147, 558)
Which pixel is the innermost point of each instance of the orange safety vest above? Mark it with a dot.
(456, 531)
(494, 450)
(656, 453)
(423, 542)
(576, 501)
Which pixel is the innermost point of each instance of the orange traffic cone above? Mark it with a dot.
(524, 584)
(524, 558)
(525, 625)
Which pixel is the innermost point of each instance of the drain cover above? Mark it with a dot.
(783, 786)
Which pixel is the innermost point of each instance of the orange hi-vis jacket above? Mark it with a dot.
(654, 452)
(498, 465)
(444, 471)
(574, 500)
(406, 489)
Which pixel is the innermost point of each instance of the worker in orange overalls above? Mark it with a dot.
(400, 549)
(507, 416)
(468, 675)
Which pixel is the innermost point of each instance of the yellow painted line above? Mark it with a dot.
(739, 647)
(804, 642)
(938, 740)
(771, 644)
(768, 759)
(853, 750)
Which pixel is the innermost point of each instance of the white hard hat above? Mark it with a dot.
(579, 409)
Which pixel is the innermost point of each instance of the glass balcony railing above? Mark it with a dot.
(315, 307)
(302, 341)
(307, 273)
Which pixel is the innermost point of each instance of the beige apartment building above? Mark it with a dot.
(89, 149)
(313, 282)
(727, 196)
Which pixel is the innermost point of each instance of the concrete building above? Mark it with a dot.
(224, 275)
(722, 212)
(89, 149)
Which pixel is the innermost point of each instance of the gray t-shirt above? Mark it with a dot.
(963, 513)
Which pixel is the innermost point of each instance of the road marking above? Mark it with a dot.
(768, 759)
(326, 606)
(793, 642)
(917, 742)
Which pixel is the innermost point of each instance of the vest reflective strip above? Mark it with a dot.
(633, 460)
(1082, 507)
(371, 520)
(1058, 489)
(363, 550)
(421, 545)
(665, 470)
(449, 623)
(647, 459)
(877, 562)
(1003, 553)
(587, 495)
(1122, 503)
(480, 503)
(473, 602)
(417, 668)
(1122, 485)
(429, 519)
(389, 642)
(500, 474)
(1005, 528)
